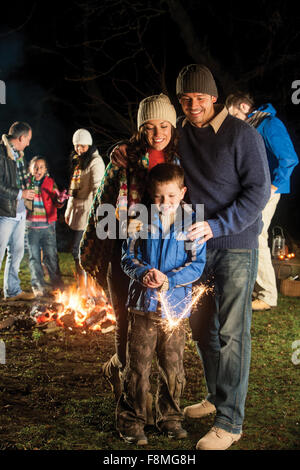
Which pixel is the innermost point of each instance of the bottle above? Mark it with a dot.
(32, 182)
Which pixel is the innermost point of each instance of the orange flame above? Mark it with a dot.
(87, 308)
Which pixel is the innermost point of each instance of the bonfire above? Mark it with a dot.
(86, 308)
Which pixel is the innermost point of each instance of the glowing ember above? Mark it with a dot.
(172, 321)
(74, 308)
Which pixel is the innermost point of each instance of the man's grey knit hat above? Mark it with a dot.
(196, 78)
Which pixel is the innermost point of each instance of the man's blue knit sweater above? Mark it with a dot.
(226, 169)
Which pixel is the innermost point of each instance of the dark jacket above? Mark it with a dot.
(8, 181)
(226, 169)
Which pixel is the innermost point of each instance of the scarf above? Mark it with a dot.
(132, 186)
(256, 118)
(75, 180)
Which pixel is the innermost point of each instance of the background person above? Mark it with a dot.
(40, 224)
(87, 172)
(282, 160)
(13, 197)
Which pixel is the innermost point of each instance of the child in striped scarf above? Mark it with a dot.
(40, 224)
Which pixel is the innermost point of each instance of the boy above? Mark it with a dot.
(165, 264)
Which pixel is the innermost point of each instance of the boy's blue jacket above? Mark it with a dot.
(180, 259)
(281, 154)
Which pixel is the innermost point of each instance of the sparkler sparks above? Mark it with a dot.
(171, 320)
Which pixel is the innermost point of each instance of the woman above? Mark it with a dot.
(87, 173)
(154, 142)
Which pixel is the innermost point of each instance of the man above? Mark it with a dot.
(282, 159)
(226, 169)
(13, 197)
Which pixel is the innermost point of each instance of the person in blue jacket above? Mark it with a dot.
(282, 160)
(162, 264)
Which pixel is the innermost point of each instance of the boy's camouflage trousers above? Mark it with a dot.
(145, 337)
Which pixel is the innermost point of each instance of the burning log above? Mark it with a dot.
(95, 318)
(7, 323)
(68, 319)
(107, 326)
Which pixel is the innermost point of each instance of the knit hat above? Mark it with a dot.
(156, 107)
(82, 137)
(196, 78)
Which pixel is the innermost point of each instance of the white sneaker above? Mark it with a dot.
(217, 439)
(199, 410)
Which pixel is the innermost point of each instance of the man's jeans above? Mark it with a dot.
(11, 238)
(45, 239)
(221, 328)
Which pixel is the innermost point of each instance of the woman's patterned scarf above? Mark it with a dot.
(128, 198)
(75, 180)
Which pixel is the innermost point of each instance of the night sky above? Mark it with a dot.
(88, 64)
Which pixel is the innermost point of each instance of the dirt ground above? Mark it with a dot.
(51, 386)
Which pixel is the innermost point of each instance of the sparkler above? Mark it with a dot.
(172, 321)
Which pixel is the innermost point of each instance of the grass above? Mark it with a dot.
(52, 396)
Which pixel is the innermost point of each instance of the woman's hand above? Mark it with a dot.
(118, 155)
(62, 196)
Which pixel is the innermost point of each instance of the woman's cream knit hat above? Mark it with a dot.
(82, 137)
(156, 107)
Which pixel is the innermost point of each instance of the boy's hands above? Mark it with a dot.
(154, 278)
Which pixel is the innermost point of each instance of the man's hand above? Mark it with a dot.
(118, 155)
(200, 230)
(154, 278)
(134, 226)
(28, 194)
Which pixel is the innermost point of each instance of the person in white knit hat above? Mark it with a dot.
(87, 172)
